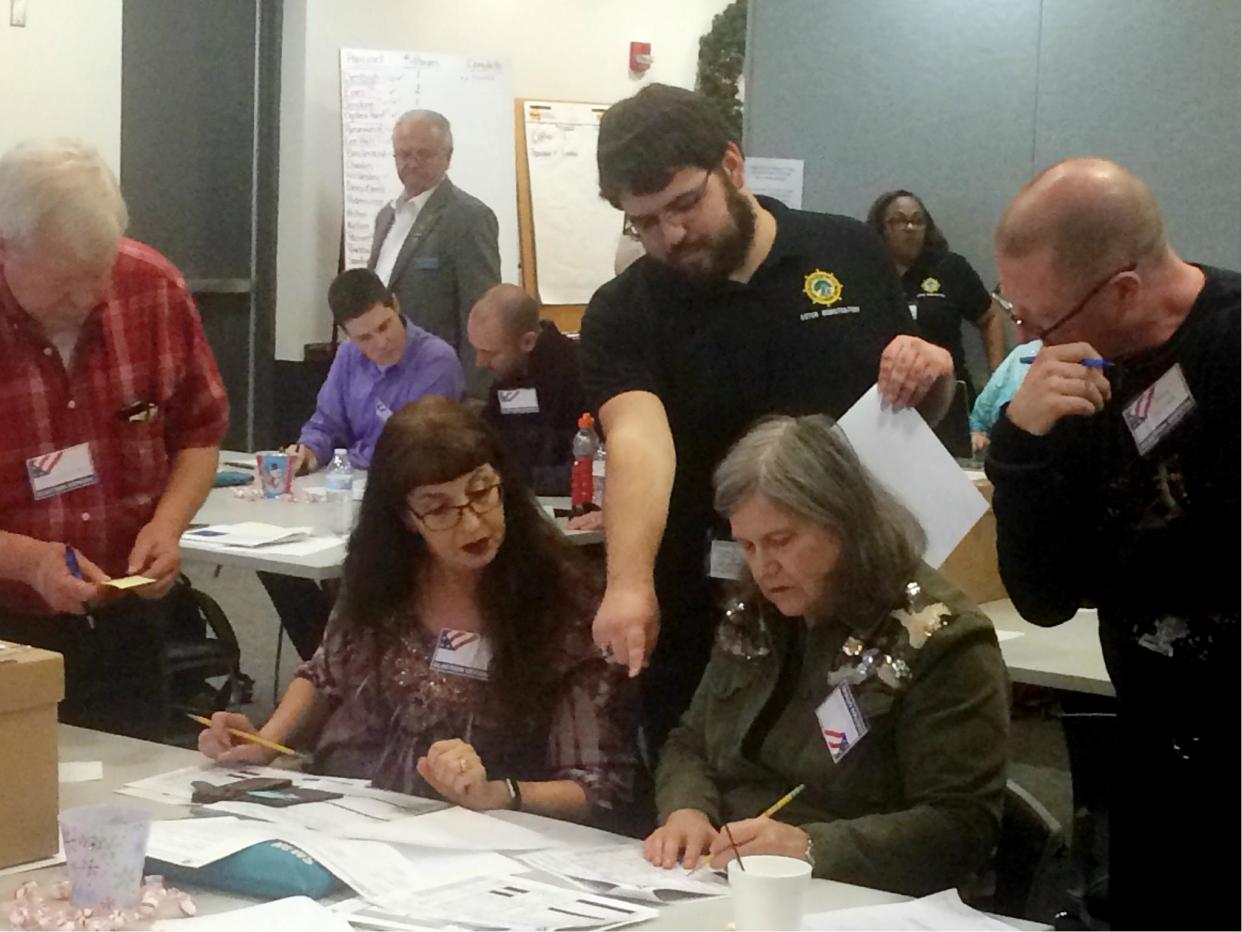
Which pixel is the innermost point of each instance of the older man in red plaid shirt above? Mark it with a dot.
(112, 415)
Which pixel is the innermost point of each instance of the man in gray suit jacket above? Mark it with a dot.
(435, 246)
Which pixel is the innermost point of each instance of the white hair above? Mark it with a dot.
(63, 193)
(438, 120)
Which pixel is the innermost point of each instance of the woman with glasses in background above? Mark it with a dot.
(458, 661)
(941, 287)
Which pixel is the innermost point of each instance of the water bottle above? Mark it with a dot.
(581, 484)
(339, 484)
(599, 468)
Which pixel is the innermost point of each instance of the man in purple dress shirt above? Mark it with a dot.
(387, 363)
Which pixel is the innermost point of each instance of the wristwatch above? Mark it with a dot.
(809, 854)
(515, 793)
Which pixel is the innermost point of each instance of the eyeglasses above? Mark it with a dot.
(899, 222)
(676, 212)
(1008, 307)
(446, 517)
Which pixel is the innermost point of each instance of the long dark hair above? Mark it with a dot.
(934, 243)
(531, 591)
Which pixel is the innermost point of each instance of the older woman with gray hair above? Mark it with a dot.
(846, 665)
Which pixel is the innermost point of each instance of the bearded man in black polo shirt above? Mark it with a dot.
(740, 308)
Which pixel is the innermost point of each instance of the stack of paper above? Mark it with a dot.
(294, 912)
(622, 871)
(245, 534)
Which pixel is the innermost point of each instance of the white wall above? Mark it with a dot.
(61, 74)
(558, 49)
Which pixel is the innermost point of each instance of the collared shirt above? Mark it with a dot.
(358, 396)
(405, 212)
(804, 335)
(942, 292)
(144, 345)
(542, 441)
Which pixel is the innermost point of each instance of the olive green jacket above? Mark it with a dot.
(914, 806)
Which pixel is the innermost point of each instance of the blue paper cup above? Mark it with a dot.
(105, 848)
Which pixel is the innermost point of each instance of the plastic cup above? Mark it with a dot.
(768, 894)
(275, 476)
(105, 848)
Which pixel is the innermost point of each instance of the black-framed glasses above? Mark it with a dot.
(1008, 307)
(446, 517)
(676, 212)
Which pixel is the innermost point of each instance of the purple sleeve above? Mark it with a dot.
(445, 377)
(328, 427)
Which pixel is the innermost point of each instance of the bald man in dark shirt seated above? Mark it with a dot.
(537, 396)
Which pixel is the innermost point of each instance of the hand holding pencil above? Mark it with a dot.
(231, 738)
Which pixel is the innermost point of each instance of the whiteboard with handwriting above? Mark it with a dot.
(476, 97)
(576, 230)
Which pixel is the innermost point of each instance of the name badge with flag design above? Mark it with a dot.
(62, 471)
(462, 653)
(840, 722)
(518, 401)
(1158, 409)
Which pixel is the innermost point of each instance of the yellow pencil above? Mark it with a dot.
(248, 736)
(782, 802)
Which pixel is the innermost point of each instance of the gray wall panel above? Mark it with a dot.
(1153, 85)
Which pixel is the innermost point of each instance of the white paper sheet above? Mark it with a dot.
(294, 912)
(943, 910)
(196, 842)
(510, 903)
(462, 830)
(778, 178)
(245, 534)
(621, 870)
(902, 452)
(80, 771)
(1008, 635)
(576, 231)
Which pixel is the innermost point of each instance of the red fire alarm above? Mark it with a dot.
(640, 56)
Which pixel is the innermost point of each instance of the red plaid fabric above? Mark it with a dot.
(143, 344)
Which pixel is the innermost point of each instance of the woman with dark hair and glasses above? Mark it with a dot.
(941, 287)
(846, 666)
(458, 661)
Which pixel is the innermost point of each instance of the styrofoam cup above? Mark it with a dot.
(105, 848)
(768, 894)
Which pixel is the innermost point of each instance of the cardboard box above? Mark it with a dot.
(32, 682)
(972, 564)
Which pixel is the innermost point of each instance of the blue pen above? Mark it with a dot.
(71, 563)
(1089, 363)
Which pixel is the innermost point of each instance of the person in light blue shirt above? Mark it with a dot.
(1000, 388)
(387, 363)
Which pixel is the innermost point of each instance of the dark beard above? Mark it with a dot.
(725, 251)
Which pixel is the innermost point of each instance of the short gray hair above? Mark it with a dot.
(807, 465)
(61, 189)
(438, 120)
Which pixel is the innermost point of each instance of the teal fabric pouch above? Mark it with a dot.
(269, 869)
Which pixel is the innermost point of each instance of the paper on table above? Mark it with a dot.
(305, 547)
(1008, 635)
(460, 829)
(901, 451)
(196, 842)
(294, 912)
(245, 534)
(624, 870)
(509, 903)
(943, 910)
(80, 771)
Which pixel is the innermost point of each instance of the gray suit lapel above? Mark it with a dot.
(428, 217)
(383, 223)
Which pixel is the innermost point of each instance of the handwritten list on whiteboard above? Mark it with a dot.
(576, 231)
(476, 97)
